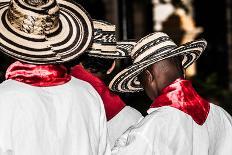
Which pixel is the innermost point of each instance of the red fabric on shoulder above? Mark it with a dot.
(113, 103)
(38, 75)
(181, 95)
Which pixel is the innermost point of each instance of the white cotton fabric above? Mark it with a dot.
(68, 119)
(127, 117)
(169, 131)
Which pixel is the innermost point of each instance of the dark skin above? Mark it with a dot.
(159, 75)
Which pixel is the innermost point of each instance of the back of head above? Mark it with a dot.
(167, 71)
(96, 65)
(170, 67)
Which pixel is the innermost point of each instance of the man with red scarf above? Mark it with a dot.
(43, 109)
(179, 121)
(95, 68)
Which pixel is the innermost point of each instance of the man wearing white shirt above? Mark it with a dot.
(96, 65)
(44, 110)
(179, 120)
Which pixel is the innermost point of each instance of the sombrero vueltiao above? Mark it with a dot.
(105, 44)
(44, 31)
(149, 50)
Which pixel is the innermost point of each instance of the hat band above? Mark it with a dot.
(37, 24)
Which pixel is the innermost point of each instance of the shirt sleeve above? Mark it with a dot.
(132, 144)
(127, 117)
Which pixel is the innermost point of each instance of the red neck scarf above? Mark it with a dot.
(38, 75)
(113, 104)
(79, 72)
(181, 95)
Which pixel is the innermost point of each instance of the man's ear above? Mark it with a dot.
(111, 68)
(148, 75)
(81, 64)
(184, 73)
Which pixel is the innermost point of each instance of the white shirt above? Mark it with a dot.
(168, 131)
(68, 119)
(127, 117)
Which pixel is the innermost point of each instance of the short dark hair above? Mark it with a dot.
(164, 65)
(96, 64)
(177, 62)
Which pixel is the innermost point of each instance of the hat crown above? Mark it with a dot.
(104, 39)
(44, 31)
(152, 45)
(38, 17)
(36, 2)
(105, 44)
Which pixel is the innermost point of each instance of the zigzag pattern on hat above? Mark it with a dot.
(151, 44)
(104, 37)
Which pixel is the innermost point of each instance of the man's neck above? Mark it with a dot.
(167, 81)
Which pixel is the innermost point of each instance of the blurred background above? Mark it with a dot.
(183, 20)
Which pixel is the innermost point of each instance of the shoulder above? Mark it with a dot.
(130, 113)
(161, 121)
(10, 93)
(215, 109)
(154, 122)
(11, 88)
(127, 115)
(219, 115)
(158, 129)
(166, 114)
(148, 132)
(81, 85)
(85, 91)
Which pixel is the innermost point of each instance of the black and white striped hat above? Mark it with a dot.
(44, 31)
(105, 44)
(149, 50)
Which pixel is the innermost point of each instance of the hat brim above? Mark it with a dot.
(122, 51)
(72, 38)
(126, 80)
